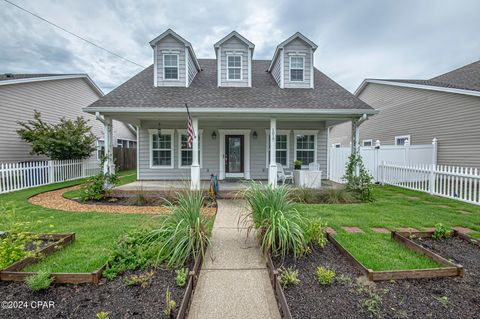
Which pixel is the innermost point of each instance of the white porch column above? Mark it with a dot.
(108, 166)
(195, 168)
(355, 143)
(272, 169)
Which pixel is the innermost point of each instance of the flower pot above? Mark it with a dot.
(298, 166)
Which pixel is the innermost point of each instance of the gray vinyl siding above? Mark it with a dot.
(236, 47)
(454, 119)
(276, 71)
(54, 99)
(170, 45)
(192, 69)
(342, 133)
(300, 47)
(211, 148)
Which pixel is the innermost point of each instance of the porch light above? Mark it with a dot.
(214, 135)
(255, 135)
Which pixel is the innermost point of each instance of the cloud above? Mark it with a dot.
(356, 39)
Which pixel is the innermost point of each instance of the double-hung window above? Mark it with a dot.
(297, 67)
(170, 66)
(400, 140)
(234, 67)
(161, 148)
(282, 144)
(306, 147)
(185, 158)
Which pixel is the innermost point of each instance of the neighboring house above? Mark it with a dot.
(235, 102)
(446, 107)
(54, 96)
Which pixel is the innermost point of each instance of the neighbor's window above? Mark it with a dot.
(162, 148)
(186, 153)
(100, 148)
(305, 148)
(337, 145)
(296, 68)
(400, 140)
(234, 67)
(170, 66)
(281, 149)
(367, 143)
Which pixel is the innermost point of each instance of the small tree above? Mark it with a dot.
(69, 139)
(358, 179)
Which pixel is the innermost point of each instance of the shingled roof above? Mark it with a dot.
(204, 92)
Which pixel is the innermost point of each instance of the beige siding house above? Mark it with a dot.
(446, 107)
(55, 96)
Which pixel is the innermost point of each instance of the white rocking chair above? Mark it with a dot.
(283, 175)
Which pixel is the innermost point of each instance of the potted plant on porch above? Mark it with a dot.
(297, 164)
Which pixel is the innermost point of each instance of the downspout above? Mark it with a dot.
(100, 117)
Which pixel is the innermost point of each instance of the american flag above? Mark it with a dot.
(190, 132)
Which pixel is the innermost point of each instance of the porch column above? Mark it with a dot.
(108, 165)
(355, 144)
(272, 169)
(195, 168)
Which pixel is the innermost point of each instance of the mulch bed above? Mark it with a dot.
(86, 300)
(351, 296)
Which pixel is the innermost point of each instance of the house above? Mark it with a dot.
(54, 96)
(446, 107)
(247, 114)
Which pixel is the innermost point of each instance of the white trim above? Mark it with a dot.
(290, 68)
(235, 67)
(232, 34)
(155, 66)
(179, 144)
(138, 152)
(366, 141)
(415, 86)
(250, 57)
(186, 67)
(150, 150)
(398, 137)
(219, 66)
(246, 148)
(282, 70)
(287, 41)
(53, 78)
(267, 140)
(312, 70)
(315, 141)
(177, 66)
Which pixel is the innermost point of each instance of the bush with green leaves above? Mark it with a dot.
(315, 232)
(99, 186)
(288, 277)
(68, 139)
(181, 278)
(358, 179)
(183, 234)
(39, 281)
(324, 276)
(280, 227)
(441, 231)
(141, 280)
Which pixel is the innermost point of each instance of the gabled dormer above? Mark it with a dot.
(234, 61)
(292, 63)
(175, 63)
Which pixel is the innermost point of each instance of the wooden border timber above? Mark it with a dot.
(472, 240)
(277, 288)
(191, 284)
(450, 269)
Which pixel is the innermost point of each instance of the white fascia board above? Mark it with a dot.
(415, 86)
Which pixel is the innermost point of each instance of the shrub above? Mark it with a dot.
(181, 278)
(360, 183)
(183, 234)
(99, 186)
(141, 280)
(316, 232)
(324, 196)
(440, 231)
(289, 277)
(40, 281)
(324, 276)
(170, 305)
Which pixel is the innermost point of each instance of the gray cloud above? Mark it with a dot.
(357, 39)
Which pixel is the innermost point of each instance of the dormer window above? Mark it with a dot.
(297, 67)
(234, 67)
(170, 66)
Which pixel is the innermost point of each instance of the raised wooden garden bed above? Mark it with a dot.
(450, 269)
(191, 284)
(277, 288)
(14, 271)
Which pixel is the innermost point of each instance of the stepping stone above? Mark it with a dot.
(380, 230)
(352, 230)
(330, 230)
(463, 230)
(464, 212)
(408, 229)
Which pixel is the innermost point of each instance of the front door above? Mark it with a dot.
(234, 156)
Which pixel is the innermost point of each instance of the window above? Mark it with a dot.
(282, 146)
(161, 148)
(297, 66)
(306, 147)
(126, 143)
(100, 148)
(185, 154)
(367, 143)
(234, 67)
(170, 66)
(400, 140)
(337, 145)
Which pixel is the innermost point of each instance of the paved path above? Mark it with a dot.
(235, 284)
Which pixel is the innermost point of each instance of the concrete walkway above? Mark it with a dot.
(235, 284)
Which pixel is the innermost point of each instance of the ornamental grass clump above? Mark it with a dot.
(280, 227)
(183, 234)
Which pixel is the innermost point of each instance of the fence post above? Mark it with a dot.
(382, 177)
(407, 152)
(434, 150)
(84, 168)
(51, 172)
(431, 183)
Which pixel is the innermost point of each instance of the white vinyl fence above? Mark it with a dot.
(454, 182)
(17, 176)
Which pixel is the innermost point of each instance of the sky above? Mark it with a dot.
(356, 39)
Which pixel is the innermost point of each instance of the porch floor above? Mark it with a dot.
(159, 186)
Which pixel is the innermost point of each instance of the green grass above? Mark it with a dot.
(380, 252)
(96, 233)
